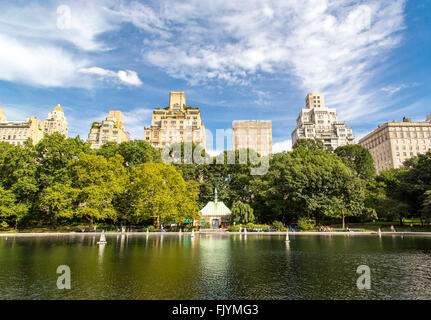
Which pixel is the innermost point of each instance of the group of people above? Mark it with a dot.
(326, 229)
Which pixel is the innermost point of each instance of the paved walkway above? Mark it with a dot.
(58, 234)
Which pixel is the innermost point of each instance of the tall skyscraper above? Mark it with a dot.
(55, 122)
(176, 123)
(109, 130)
(253, 134)
(317, 121)
(394, 142)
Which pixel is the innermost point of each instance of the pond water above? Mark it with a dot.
(215, 266)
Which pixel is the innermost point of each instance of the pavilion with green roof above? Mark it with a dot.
(216, 213)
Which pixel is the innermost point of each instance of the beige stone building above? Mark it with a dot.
(17, 132)
(56, 122)
(253, 134)
(176, 123)
(109, 130)
(2, 115)
(394, 142)
(317, 121)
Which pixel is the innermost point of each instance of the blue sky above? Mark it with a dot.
(236, 60)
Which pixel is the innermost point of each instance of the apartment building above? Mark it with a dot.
(317, 121)
(253, 134)
(17, 132)
(55, 122)
(394, 142)
(176, 123)
(111, 129)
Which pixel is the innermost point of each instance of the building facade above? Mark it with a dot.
(394, 142)
(317, 121)
(55, 122)
(253, 134)
(17, 132)
(109, 130)
(2, 116)
(176, 123)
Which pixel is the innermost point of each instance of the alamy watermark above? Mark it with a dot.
(245, 142)
(64, 18)
(63, 281)
(364, 280)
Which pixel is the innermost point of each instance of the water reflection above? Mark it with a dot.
(216, 267)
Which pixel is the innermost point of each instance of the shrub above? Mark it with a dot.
(233, 229)
(150, 229)
(306, 224)
(4, 225)
(278, 226)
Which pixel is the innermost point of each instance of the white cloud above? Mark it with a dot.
(43, 65)
(285, 145)
(391, 90)
(331, 46)
(125, 76)
(40, 47)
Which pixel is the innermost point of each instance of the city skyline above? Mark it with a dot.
(123, 55)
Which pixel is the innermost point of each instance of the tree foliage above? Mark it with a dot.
(359, 159)
(242, 213)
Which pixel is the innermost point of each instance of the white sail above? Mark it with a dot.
(102, 238)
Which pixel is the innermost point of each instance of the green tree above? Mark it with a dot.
(387, 194)
(18, 171)
(133, 152)
(308, 184)
(242, 213)
(58, 201)
(99, 182)
(415, 181)
(53, 153)
(426, 206)
(9, 208)
(312, 145)
(359, 159)
(158, 191)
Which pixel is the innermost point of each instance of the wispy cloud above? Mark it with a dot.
(47, 43)
(125, 76)
(330, 46)
(391, 90)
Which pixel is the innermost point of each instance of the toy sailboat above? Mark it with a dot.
(102, 238)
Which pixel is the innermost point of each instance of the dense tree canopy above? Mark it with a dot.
(158, 191)
(59, 181)
(359, 159)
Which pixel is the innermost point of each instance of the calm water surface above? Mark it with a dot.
(215, 267)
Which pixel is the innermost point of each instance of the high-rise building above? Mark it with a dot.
(394, 142)
(253, 134)
(176, 123)
(317, 121)
(109, 130)
(56, 122)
